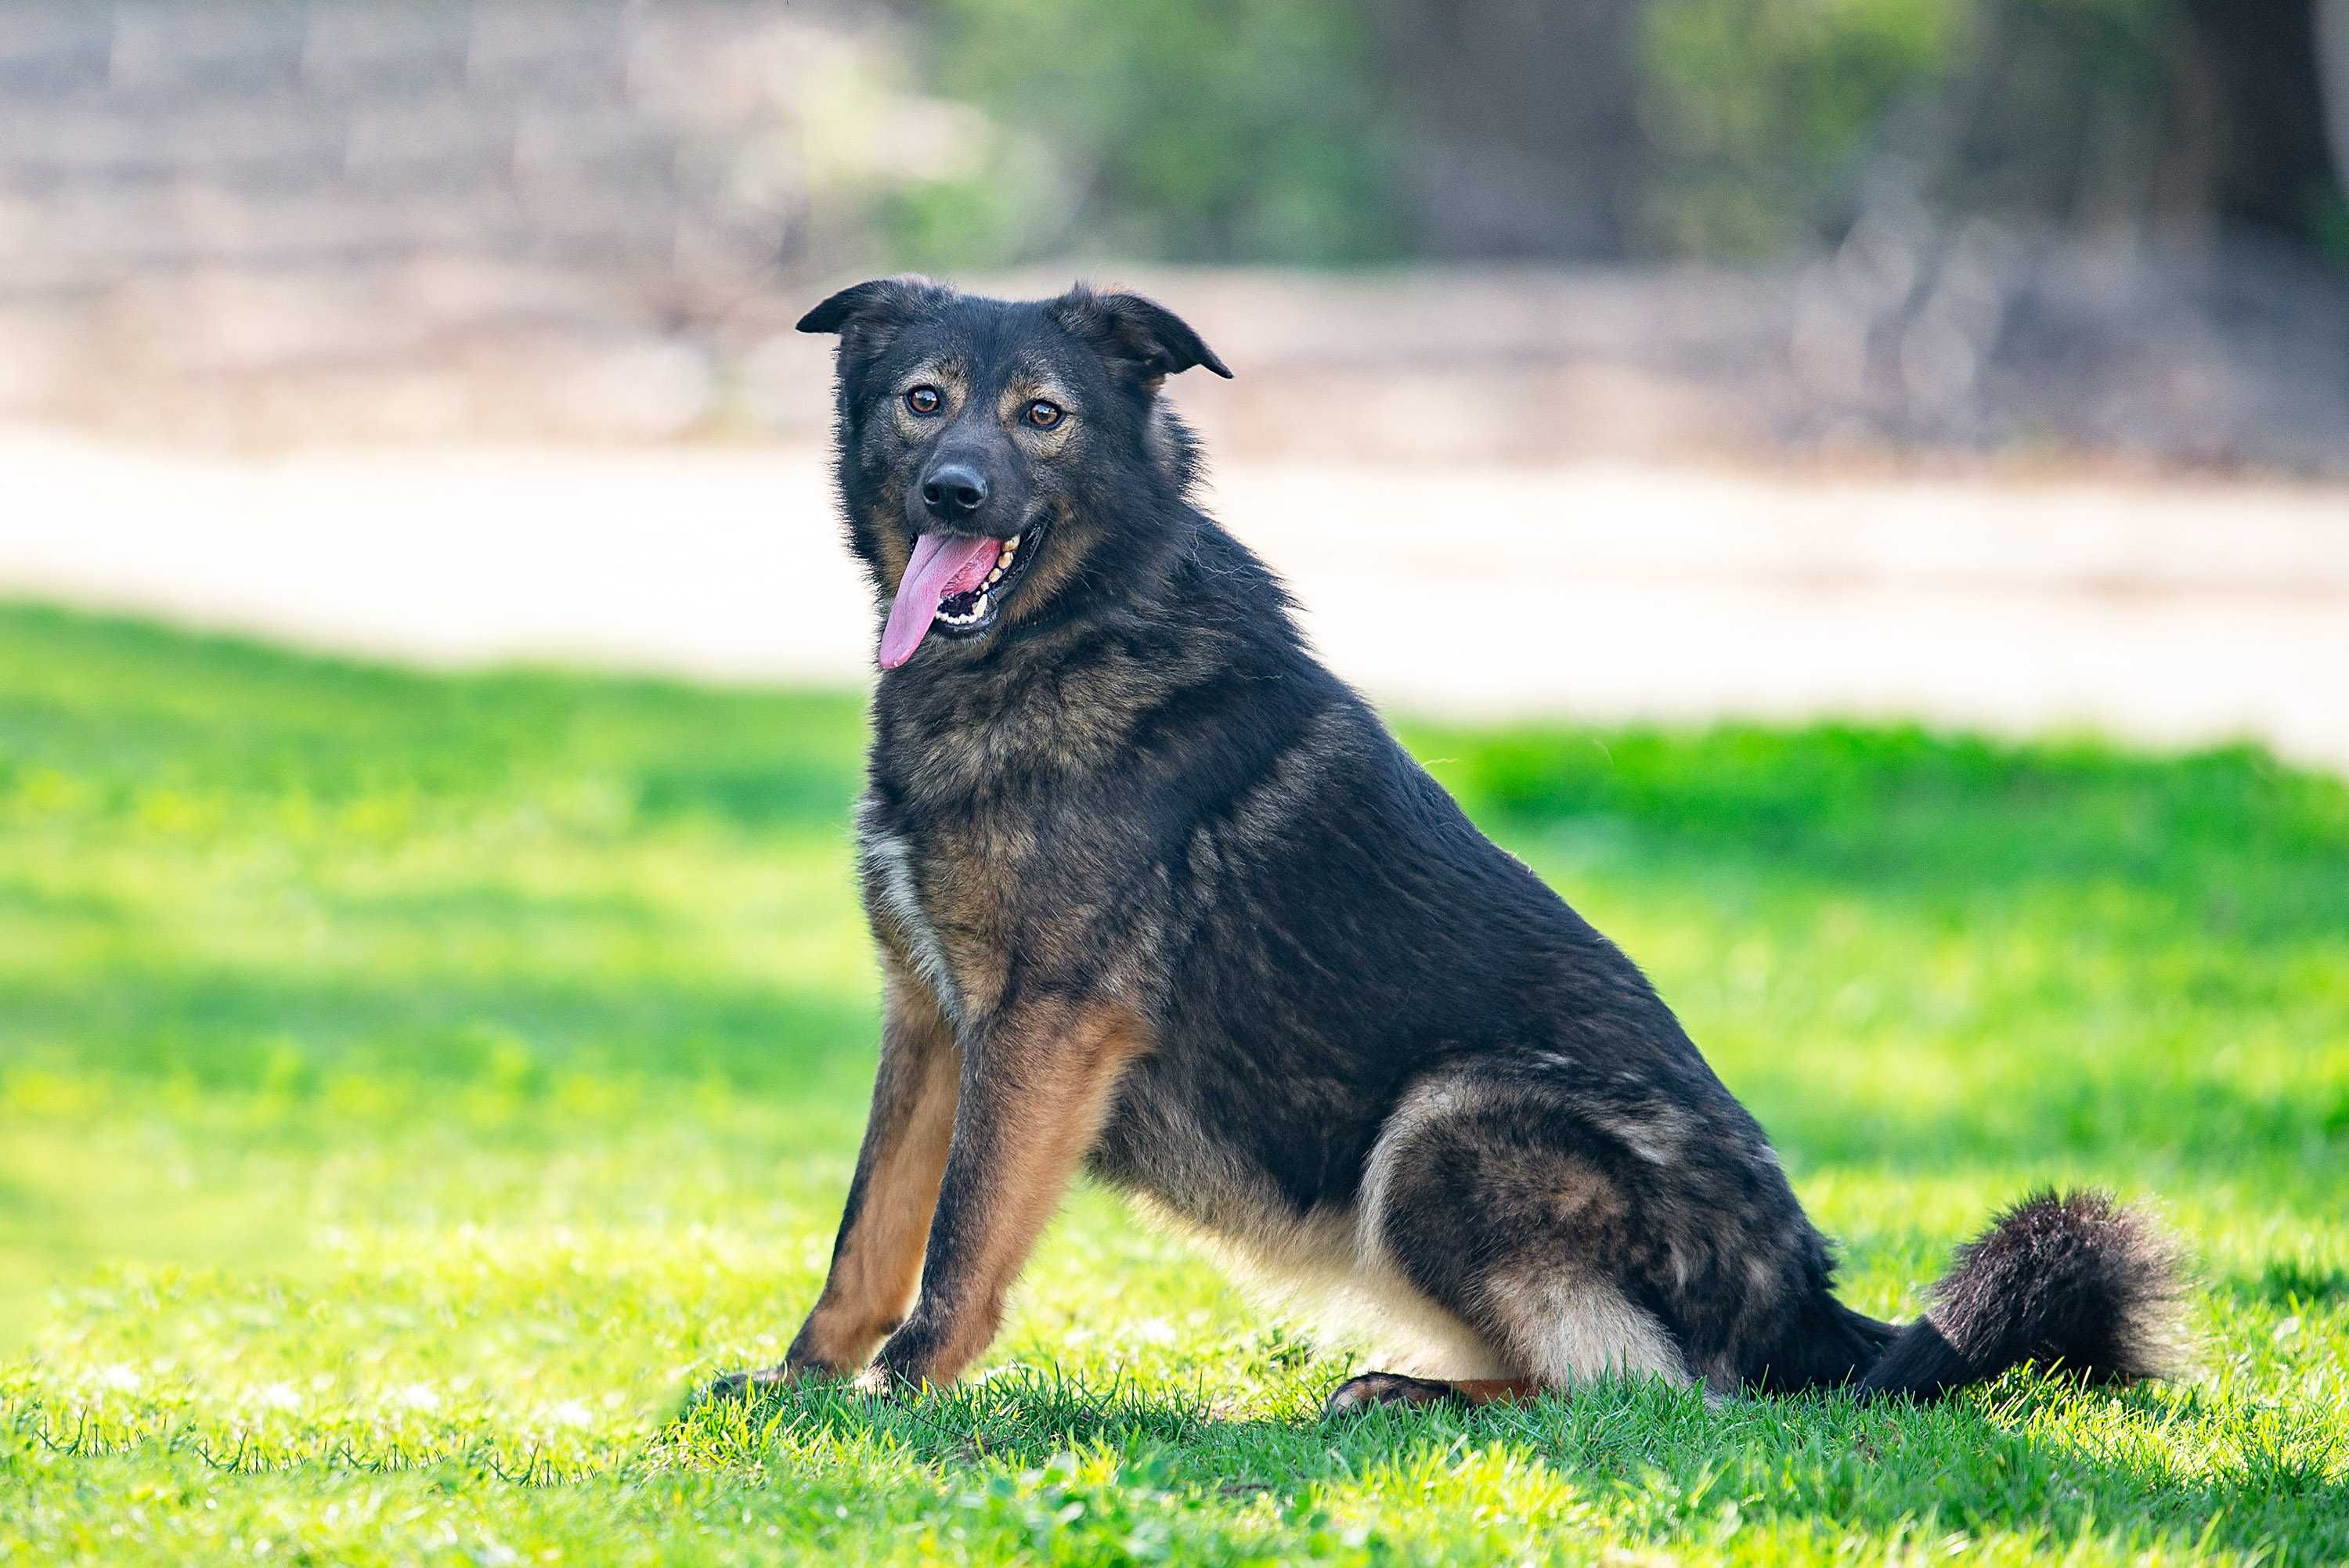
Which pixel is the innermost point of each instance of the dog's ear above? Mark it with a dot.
(869, 314)
(1135, 334)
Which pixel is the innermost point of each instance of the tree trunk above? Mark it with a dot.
(1527, 120)
(2332, 79)
(2252, 112)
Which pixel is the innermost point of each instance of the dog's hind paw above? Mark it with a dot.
(1383, 1388)
(1394, 1388)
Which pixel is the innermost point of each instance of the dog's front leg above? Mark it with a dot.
(1036, 1083)
(876, 1260)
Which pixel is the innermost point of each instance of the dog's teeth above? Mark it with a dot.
(995, 576)
(970, 617)
(1010, 544)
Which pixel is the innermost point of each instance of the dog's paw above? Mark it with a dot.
(1383, 1388)
(745, 1385)
(893, 1385)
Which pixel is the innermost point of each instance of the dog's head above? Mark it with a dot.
(1001, 459)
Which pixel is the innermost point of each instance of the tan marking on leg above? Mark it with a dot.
(876, 1263)
(1032, 1106)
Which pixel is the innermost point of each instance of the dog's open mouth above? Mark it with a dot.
(955, 583)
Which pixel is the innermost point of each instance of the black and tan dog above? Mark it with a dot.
(1157, 896)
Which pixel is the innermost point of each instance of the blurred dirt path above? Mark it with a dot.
(2167, 613)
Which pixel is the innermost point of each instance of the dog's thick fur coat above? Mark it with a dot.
(1157, 895)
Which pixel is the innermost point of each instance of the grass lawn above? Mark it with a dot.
(411, 1086)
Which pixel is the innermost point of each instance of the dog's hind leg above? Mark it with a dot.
(1486, 1202)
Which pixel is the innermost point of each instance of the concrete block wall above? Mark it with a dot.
(228, 218)
(272, 222)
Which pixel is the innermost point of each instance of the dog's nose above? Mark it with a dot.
(954, 491)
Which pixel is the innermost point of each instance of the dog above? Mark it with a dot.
(1155, 895)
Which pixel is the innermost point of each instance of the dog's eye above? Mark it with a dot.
(923, 399)
(1043, 415)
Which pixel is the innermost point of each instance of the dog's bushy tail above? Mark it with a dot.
(2073, 1282)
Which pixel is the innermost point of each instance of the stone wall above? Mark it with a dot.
(386, 216)
(280, 221)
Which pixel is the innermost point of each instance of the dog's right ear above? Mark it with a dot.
(869, 314)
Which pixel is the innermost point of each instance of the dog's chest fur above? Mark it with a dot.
(996, 845)
(931, 897)
(975, 910)
(893, 903)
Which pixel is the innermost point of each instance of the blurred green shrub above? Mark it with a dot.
(1769, 115)
(1298, 131)
(1760, 108)
(1231, 130)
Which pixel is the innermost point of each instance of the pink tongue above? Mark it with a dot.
(944, 564)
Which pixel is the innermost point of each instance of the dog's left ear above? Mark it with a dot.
(869, 314)
(1140, 335)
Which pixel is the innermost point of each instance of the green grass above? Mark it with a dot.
(411, 1086)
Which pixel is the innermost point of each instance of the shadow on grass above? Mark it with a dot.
(232, 1031)
(1659, 1464)
(227, 1031)
(2294, 1284)
(2198, 1129)
(1896, 810)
